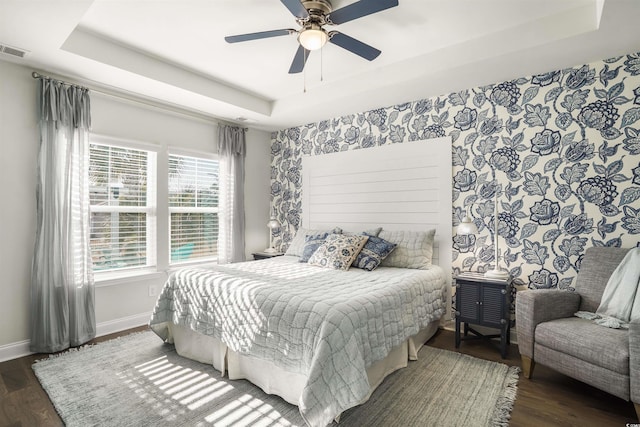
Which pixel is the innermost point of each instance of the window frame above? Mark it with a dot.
(194, 154)
(119, 275)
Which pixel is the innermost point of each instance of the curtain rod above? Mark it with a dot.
(165, 107)
(37, 75)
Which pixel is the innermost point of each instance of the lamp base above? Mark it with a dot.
(497, 274)
(270, 250)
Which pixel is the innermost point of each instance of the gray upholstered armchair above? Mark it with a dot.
(548, 333)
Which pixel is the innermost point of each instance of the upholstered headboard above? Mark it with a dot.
(398, 187)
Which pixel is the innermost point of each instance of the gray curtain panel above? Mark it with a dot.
(62, 286)
(231, 151)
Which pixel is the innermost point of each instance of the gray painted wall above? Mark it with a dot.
(123, 303)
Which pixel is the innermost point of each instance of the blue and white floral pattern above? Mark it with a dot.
(373, 252)
(561, 148)
(338, 252)
(311, 244)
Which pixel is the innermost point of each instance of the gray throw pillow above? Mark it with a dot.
(414, 250)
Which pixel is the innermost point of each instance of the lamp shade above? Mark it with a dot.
(466, 227)
(313, 38)
(273, 224)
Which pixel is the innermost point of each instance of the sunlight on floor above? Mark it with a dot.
(244, 411)
(172, 390)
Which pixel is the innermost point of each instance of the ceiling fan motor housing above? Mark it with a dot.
(318, 10)
(315, 7)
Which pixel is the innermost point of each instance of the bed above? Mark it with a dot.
(322, 339)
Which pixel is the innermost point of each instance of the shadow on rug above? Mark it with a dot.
(137, 380)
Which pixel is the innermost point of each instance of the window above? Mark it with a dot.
(123, 188)
(122, 197)
(193, 208)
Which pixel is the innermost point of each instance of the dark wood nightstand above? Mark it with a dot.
(484, 302)
(265, 255)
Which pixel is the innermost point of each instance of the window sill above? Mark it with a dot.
(204, 264)
(125, 277)
(111, 278)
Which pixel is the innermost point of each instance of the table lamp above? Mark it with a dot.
(273, 225)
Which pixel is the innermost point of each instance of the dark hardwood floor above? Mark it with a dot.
(548, 399)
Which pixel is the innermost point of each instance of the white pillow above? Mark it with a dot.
(414, 250)
(370, 232)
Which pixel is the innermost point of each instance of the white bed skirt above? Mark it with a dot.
(275, 380)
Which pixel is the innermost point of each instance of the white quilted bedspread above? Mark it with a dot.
(328, 325)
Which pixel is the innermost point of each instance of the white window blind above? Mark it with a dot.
(193, 208)
(122, 207)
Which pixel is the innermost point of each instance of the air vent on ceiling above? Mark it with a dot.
(13, 51)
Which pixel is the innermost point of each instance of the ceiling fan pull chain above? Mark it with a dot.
(304, 74)
(321, 65)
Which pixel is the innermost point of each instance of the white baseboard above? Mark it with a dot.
(14, 350)
(21, 348)
(117, 325)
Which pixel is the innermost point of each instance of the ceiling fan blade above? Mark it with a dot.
(354, 46)
(259, 35)
(359, 9)
(299, 60)
(296, 8)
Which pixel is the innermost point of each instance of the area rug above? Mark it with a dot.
(137, 380)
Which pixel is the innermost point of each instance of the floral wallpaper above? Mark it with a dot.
(562, 149)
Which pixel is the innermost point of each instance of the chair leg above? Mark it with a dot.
(527, 367)
(637, 406)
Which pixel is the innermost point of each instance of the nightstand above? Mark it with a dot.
(484, 302)
(265, 255)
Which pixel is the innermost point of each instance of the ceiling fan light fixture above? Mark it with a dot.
(313, 38)
(311, 17)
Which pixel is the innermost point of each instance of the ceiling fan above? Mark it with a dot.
(312, 16)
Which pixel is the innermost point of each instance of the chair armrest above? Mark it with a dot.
(537, 306)
(634, 360)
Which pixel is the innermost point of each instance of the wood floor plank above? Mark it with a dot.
(31, 407)
(549, 399)
(13, 375)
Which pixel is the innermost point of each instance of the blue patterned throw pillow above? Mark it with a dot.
(338, 252)
(311, 243)
(373, 252)
(296, 246)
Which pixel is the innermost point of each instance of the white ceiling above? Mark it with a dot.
(173, 51)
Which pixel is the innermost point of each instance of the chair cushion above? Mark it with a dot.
(584, 340)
